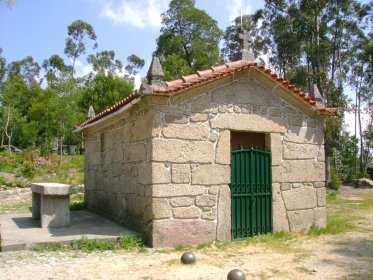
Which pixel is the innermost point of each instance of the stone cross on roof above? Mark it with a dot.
(245, 39)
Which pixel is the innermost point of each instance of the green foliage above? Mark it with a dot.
(51, 247)
(77, 202)
(2, 181)
(55, 68)
(104, 90)
(128, 243)
(131, 243)
(31, 165)
(41, 117)
(182, 247)
(105, 60)
(189, 34)
(88, 245)
(336, 182)
(7, 163)
(27, 170)
(173, 66)
(80, 33)
(135, 64)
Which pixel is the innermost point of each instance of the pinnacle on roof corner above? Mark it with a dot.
(315, 95)
(155, 74)
(91, 112)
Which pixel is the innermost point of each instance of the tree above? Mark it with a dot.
(135, 64)
(361, 80)
(105, 60)
(80, 32)
(104, 90)
(190, 35)
(9, 3)
(55, 69)
(16, 99)
(260, 42)
(2, 66)
(26, 69)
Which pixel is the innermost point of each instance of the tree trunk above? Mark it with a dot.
(7, 134)
(360, 133)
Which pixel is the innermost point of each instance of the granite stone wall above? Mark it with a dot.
(117, 168)
(163, 168)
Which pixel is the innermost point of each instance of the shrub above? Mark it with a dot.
(336, 182)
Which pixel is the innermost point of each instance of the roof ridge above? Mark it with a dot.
(205, 76)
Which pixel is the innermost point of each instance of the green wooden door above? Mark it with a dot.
(251, 193)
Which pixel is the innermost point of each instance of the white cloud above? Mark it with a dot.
(236, 7)
(82, 69)
(135, 13)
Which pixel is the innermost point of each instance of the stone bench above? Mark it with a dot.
(51, 204)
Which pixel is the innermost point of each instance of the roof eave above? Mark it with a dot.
(109, 116)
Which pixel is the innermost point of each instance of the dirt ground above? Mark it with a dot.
(346, 256)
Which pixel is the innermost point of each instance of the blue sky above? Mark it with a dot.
(39, 27)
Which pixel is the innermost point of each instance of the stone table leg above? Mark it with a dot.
(55, 211)
(36, 197)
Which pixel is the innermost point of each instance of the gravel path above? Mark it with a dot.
(347, 256)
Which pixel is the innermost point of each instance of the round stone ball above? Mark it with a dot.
(236, 274)
(188, 258)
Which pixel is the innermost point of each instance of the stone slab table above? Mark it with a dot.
(51, 204)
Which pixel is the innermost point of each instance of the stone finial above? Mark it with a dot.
(155, 74)
(246, 54)
(315, 95)
(91, 112)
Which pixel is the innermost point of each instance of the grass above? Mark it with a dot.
(342, 215)
(128, 243)
(76, 203)
(29, 166)
(23, 207)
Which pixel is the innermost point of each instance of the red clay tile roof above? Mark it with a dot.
(206, 76)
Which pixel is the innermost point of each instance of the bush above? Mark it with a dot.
(336, 181)
(27, 170)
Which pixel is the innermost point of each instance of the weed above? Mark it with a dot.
(77, 206)
(129, 243)
(88, 245)
(203, 245)
(50, 247)
(182, 247)
(132, 243)
(29, 164)
(77, 202)
(2, 181)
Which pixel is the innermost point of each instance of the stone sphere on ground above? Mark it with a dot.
(188, 258)
(236, 274)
